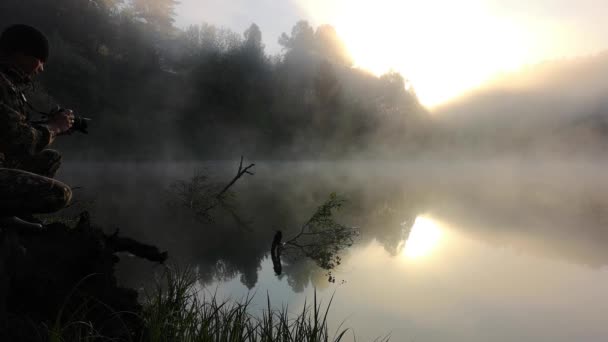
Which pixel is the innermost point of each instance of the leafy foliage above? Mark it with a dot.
(322, 239)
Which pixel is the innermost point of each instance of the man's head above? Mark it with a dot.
(25, 47)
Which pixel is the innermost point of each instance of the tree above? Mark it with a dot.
(329, 45)
(323, 43)
(302, 38)
(327, 85)
(320, 239)
(157, 13)
(253, 38)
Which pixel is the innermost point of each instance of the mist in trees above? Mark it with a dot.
(207, 92)
(551, 110)
(156, 92)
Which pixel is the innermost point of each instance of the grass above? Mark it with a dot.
(176, 312)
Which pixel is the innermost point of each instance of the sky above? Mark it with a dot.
(443, 47)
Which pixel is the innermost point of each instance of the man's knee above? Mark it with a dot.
(51, 156)
(46, 163)
(60, 196)
(51, 161)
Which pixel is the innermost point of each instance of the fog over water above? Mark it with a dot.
(499, 250)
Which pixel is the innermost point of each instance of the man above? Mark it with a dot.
(26, 166)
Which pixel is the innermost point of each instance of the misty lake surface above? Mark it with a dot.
(449, 251)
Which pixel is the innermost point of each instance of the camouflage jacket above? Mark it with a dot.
(18, 138)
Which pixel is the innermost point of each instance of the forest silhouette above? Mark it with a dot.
(207, 92)
(157, 92)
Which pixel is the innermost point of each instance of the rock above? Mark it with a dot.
(61, 275)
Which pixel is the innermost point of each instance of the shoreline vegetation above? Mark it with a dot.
(176, 312)
(60, 286)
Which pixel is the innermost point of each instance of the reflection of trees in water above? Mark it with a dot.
(382, 211)
(301, 273)
(556, 219)
(226, 270)
(388, 224)
(222, 250)
(321, 239)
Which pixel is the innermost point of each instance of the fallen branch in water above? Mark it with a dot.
(202, 196)
(321, 238)
(239, 174)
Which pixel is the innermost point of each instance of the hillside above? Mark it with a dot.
(553, 108)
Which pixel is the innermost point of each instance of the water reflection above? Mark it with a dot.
(552, 211)
(505, 254)
(470, 291)
(423, 237)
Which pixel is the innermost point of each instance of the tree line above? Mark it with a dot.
(158, 92)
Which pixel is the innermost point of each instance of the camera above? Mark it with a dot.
(81, 124)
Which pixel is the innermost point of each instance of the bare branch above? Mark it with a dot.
(239, 174)
(201, 196)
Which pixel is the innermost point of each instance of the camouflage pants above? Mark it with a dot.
(46, 163)
(30, 188)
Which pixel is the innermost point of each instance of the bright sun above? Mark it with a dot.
(443, 47)
(423, 238)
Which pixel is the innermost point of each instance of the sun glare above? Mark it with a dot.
(442, 47)
(423, 238)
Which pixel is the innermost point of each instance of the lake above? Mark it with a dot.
(499, 250)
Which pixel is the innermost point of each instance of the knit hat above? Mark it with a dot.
(25, 39)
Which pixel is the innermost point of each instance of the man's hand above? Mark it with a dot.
(61, 122)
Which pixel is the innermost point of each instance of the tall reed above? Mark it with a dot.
(177, 312)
